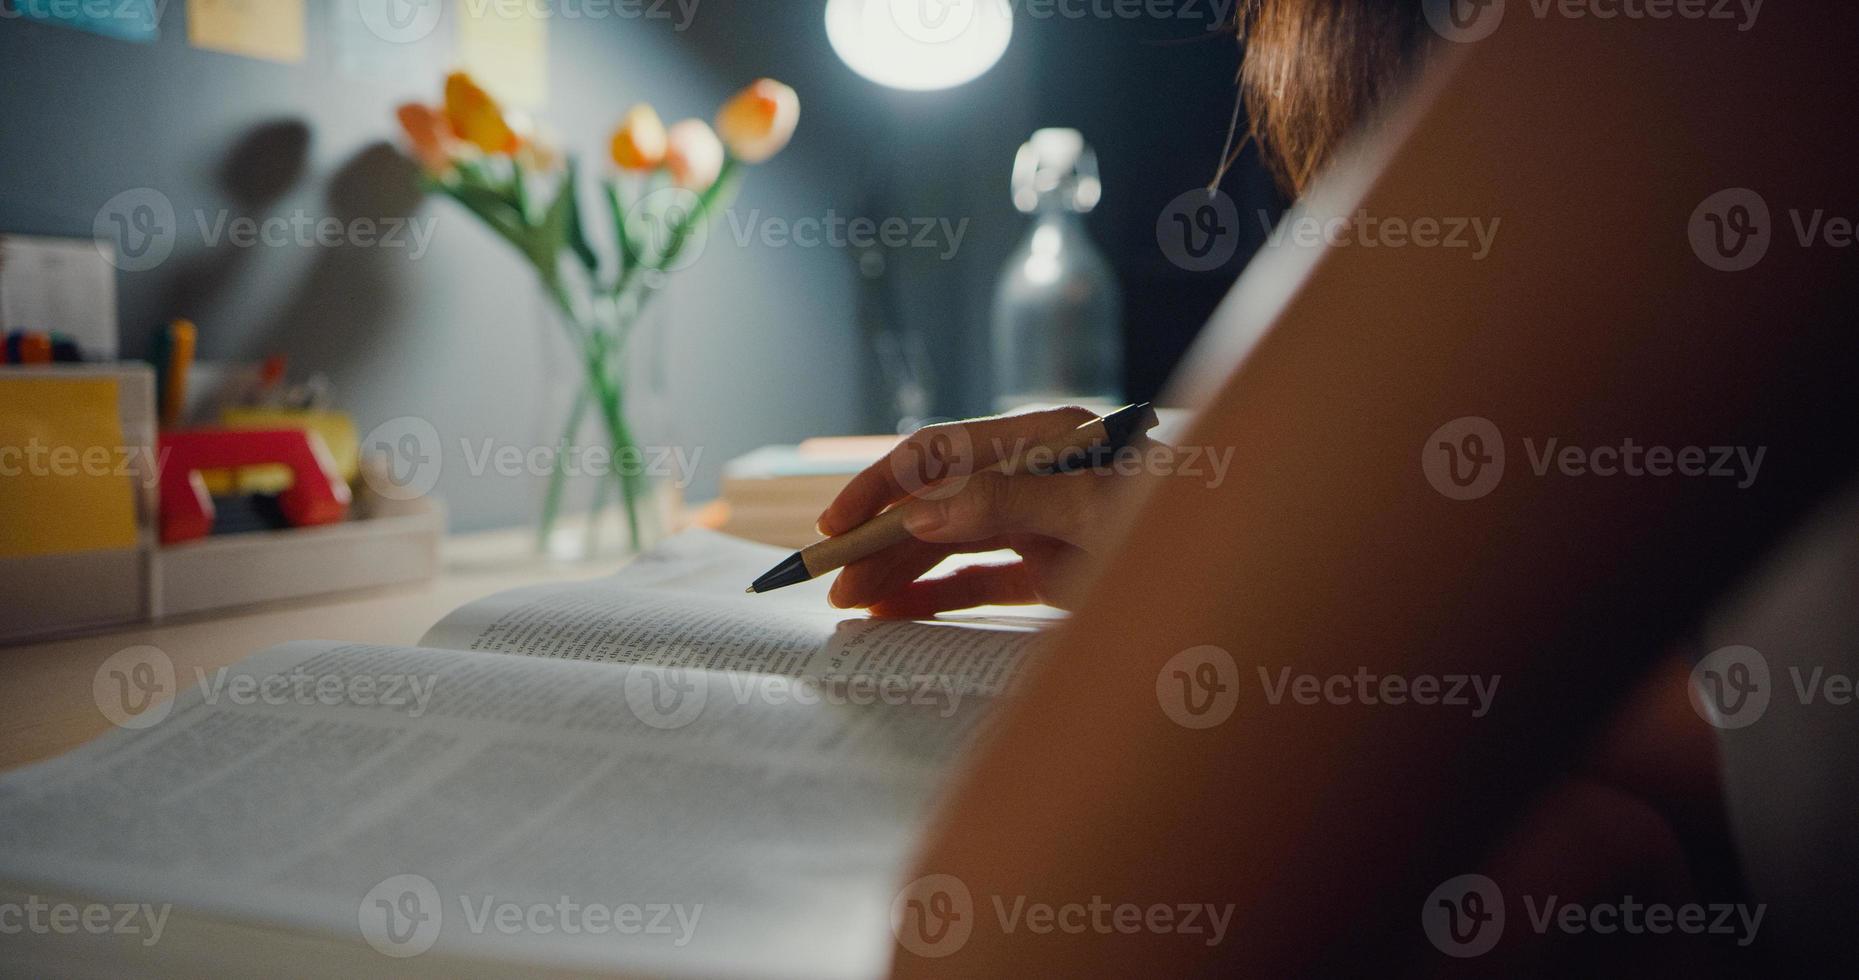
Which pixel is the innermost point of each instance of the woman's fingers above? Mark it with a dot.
(938, 453)
(989, 505)
(965, 588)
(1055, 568)
(948, 499)
(870, 579)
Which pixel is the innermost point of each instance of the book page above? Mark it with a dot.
(683, 606)
(676, 822)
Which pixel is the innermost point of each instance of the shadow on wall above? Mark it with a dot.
(258, 171)
(316, 325)
(377, 185)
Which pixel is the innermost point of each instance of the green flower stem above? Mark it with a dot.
(601, 363)
(623, 237)
(598, 317)
(551, 504)
(625, 449)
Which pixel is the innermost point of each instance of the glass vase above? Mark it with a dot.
(606, 494)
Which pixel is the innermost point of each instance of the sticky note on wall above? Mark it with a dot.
(505, 46)
(271, 30)
(65, 483)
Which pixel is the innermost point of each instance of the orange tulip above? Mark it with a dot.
(640, 142)
(694, 155)
(536, 149)
(429, 135)
(475, 117)
(759, 121)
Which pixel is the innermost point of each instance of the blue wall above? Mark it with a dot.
(752, 344)
(458, 336)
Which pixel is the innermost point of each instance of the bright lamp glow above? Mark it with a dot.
(919, 45)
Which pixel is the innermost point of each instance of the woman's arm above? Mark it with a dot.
(1327, 551)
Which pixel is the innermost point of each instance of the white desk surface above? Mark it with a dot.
(46, 705)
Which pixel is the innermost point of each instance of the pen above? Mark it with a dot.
(35, 348)
(1107, 434)
(177, 357)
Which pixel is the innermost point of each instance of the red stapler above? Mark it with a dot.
(317, 495)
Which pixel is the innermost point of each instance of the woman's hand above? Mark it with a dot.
(953, 503)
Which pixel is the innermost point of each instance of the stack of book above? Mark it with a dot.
(776, 493)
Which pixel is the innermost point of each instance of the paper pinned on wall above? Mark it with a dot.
(506, 48)
(124, 20)
(271, 30)
(72, 494)
(59, 285)
(397, 41)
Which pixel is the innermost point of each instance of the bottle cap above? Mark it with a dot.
(1056, 161)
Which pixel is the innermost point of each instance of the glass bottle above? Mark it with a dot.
(1057, 309)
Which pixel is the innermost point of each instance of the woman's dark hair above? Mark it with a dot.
(1315, 69)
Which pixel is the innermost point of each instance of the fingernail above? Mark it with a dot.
(923, 520)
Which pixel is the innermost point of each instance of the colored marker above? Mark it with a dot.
(35, 348)
(182, 336)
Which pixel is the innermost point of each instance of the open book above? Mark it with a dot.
(650, 774)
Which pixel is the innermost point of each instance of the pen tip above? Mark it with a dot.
(750, 590)
(791, 571)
